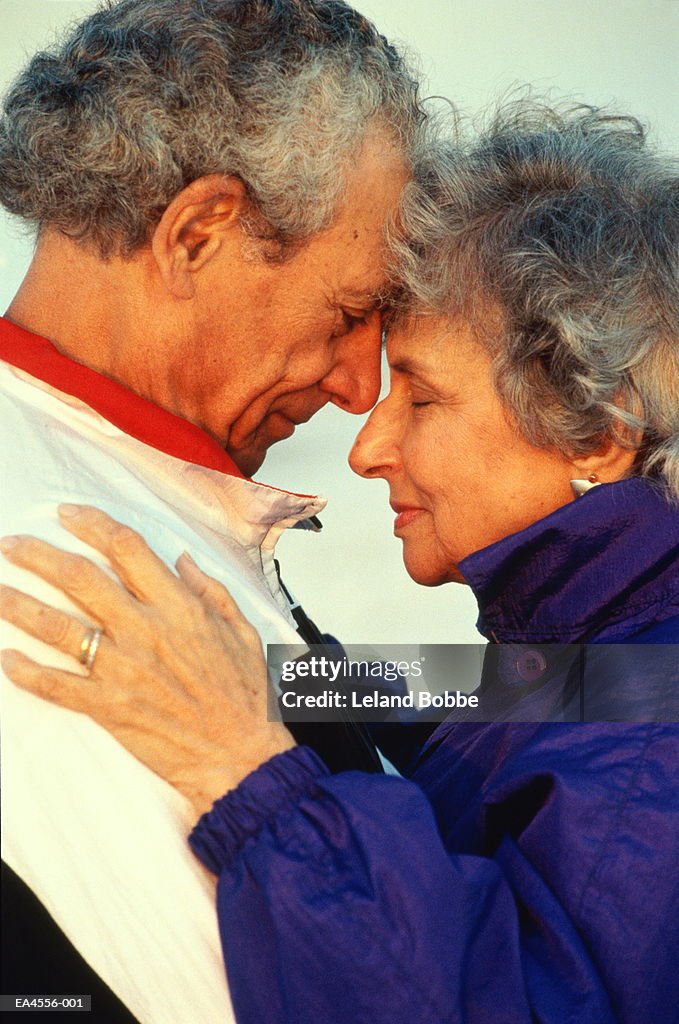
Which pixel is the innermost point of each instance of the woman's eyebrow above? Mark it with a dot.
(412, 368)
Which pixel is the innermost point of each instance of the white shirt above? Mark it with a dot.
(98, 837)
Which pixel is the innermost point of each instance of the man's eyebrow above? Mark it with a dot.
(373, 297)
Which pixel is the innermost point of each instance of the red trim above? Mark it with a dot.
(134, 415)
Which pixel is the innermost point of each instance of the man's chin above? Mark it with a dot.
(250, 456)
(248, 461)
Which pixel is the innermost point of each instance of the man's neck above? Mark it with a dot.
(90, 310)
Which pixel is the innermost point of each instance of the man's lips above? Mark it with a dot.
(282, 425)
(405, 514)
(247, 441)
(285, 422)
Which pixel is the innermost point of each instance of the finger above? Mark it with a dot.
(53, 627)
(81, 580)
(209, 590)
(142, 572)
(63, 688)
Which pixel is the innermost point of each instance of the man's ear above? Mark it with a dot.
(194, 226)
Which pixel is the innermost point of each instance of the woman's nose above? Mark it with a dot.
(354, 379)
(375, 452)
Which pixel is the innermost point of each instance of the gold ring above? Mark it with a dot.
(89, 645)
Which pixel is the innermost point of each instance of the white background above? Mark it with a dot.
(608, 52)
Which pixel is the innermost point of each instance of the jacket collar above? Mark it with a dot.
(599, 565)
(135, 416)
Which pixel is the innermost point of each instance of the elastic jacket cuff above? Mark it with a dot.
(270, 790)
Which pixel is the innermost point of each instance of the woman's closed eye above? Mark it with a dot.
(420, 400)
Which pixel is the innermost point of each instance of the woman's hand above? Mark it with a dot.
(179, 677)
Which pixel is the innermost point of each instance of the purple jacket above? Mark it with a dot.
(521, 872)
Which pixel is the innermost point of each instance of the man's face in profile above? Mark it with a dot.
(307, 330)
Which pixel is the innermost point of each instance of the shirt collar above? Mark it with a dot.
(608, 558)
(132, 414)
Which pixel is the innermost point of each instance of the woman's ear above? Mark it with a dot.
(194, 227)
(609, 463)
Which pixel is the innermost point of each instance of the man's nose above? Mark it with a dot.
(375, 450)
(353, 382)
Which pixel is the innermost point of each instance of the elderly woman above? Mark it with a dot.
(516, 872)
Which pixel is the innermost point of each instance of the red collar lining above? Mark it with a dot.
(134, 415)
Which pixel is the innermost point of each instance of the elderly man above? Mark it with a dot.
(210, 180)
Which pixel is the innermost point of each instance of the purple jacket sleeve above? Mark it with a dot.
(338, 902)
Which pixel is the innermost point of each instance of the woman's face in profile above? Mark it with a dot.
(460, 474)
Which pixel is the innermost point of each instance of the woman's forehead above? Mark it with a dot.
(417, 346)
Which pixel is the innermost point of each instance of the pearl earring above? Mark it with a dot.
(580, 487)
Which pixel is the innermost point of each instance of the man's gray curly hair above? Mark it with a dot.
(566, 224)
(98, 135)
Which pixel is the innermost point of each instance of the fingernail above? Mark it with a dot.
(8, 659)
(187, 557)
(7, 543)
(186, 560)
(69, 511)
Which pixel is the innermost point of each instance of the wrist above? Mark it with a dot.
(267, 794)
(217, 777)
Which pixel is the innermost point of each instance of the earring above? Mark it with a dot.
(580, 487)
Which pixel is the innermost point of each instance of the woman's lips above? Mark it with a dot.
(404, 516)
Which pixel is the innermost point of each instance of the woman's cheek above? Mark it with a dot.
(421, 433)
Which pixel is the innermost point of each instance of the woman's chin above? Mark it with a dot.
(428, 574)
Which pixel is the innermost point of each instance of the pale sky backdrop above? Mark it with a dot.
(608, 52)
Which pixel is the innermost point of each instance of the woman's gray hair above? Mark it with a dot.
(566, 226)
(99, 134)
